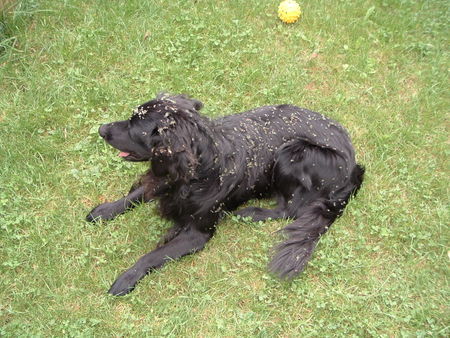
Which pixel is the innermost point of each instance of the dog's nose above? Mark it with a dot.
(102, 130)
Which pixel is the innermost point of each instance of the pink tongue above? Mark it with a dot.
(123, 154)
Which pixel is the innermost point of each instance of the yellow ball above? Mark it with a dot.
(289, 11)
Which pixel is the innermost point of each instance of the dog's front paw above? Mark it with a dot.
(105, 212)
(126, 282)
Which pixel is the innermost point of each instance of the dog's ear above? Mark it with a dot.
(183, 102)
(177, 150)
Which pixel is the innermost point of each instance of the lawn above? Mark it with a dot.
(379, 67)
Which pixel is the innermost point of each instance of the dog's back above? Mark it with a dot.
(308, 162)
(254, 138)
(272, 126)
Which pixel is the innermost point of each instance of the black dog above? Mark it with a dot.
(200, 169)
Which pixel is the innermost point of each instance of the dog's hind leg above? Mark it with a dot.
(188, 240)
(321, 182)
(261, 214)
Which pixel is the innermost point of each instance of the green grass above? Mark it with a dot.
(380, 67)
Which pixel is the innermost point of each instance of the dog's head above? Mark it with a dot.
(161, 131)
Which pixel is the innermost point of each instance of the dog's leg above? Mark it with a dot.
(189, 240)
(169, 235)
(261, 214)
(109, 210)
(142, 191)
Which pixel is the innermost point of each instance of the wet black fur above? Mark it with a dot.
(201, 169)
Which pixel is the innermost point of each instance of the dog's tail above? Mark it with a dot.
(303, 234)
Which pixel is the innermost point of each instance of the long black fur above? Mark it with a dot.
(201, 169)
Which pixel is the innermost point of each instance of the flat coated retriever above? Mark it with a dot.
(201, 169)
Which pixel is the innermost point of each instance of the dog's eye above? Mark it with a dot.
(155, 132)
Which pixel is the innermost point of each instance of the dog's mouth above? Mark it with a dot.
(130, 156)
